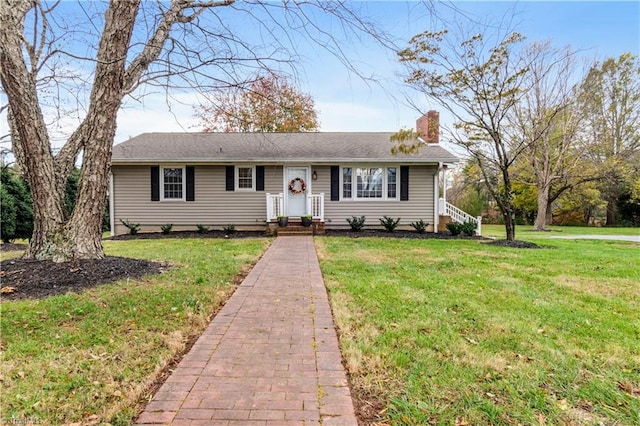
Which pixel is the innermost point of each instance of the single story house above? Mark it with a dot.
(250, 179)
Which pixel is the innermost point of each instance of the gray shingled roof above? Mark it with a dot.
(269, 147)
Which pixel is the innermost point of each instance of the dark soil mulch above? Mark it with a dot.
(189, 234)
(34, 279)
(514, 244)
(399, 234)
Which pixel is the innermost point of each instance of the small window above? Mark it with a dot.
(245, 178)
(392, 185)
(347, 183)
(173, 183)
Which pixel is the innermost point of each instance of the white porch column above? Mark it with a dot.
(444, 183)
(436, 196)
(112, 210)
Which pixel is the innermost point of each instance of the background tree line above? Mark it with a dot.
(539, 137)
(587, 164)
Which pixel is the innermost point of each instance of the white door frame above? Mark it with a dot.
(285, 175)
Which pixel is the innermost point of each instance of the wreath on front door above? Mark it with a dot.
(297, 186)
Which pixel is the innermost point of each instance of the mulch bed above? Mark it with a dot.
(188, 234)
(399, 234)
(34, 279)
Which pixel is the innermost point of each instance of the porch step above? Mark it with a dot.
(294, 229)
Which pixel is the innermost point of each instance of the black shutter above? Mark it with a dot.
(191, 196)
(231, 176)
(404, 183)
(335, 183)
(259, 178)
(155, 183)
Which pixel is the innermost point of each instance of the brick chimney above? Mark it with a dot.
(428, 127)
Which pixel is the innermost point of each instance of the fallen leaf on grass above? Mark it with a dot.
(460, 421)
(630, 389)
(542, 419)
(470, 340)
(563, 404)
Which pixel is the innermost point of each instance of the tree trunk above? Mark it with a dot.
(55, 237)
(611, 211)
(510, 225)
(549, 218)
(543, 204)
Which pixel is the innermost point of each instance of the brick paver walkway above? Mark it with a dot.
(270, 356)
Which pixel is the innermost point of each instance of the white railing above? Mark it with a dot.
(275, 206)
(315, 205)
(457, 215)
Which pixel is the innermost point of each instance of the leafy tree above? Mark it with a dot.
(15, 203)
(548, 121)
(479, 83)
(268, 104)
(610, 99)
(8, 213)
(581, 205)
(96, 53)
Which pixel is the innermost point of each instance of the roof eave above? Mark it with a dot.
(124, 161)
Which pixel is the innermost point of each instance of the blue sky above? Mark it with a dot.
(600, 29)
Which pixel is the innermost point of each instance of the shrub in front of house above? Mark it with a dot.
(202, 229)
(468, 228)
(356, 223)
(389, 223)
(420, 226)
(132, 227)
(454, 227)
(166, 228)
(229, 229)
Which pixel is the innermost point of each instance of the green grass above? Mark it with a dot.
(456, 332)
(91, 357)
(526, 232)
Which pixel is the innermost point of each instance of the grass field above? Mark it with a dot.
(457, 332)
(525, 232)
(90, 358)
(441, 331)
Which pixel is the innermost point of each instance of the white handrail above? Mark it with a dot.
(459, 216)
(275, 206)
(315, 205)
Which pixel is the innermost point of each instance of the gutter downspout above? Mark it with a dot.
(112, 208)
(436, 196)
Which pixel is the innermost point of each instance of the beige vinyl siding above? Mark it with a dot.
(419, 206)
(213, 206)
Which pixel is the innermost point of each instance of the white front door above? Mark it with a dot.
(296, 199)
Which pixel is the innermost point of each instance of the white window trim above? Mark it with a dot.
(354, 182)
(237, 178)
(184, 182)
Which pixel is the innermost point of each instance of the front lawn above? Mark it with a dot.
(526, 232)
(90, 358)
(458, 332)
